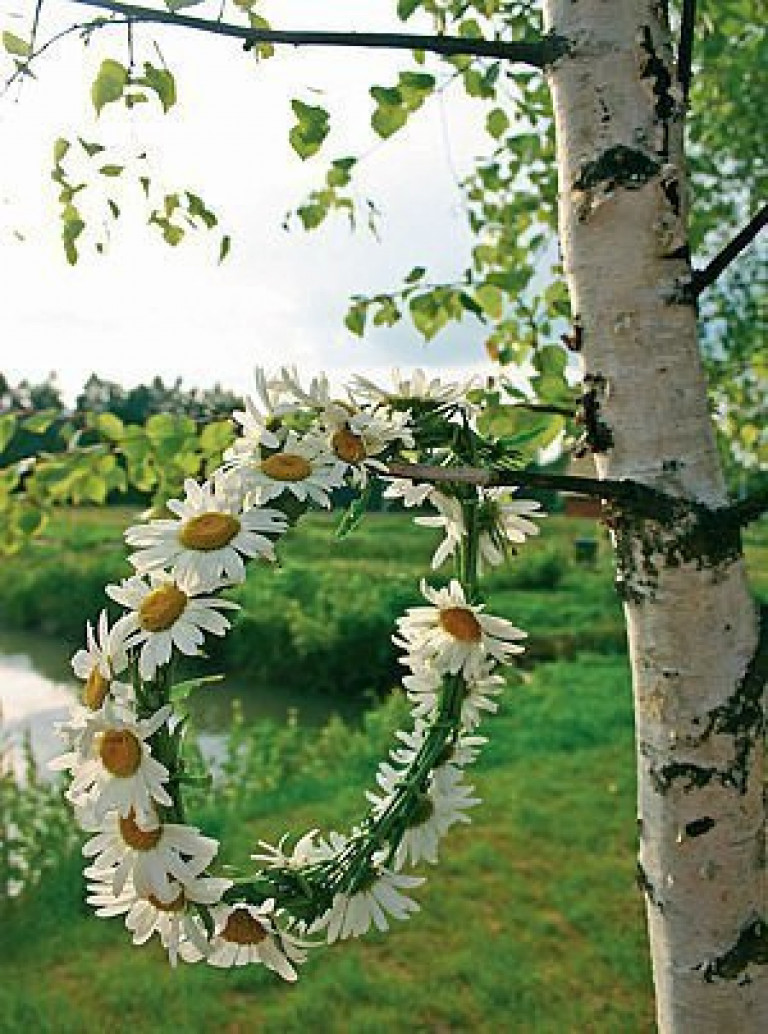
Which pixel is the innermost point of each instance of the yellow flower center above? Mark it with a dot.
(286, 466)
(136, 837)
(96, 689)
(177, 905)
(161, 608)
(348, 446)
(242, 928)
(209, 531)
(120, 752)
(461, 624)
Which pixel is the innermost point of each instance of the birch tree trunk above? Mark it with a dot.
(692, 628)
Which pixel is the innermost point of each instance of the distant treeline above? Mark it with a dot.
(132, 405)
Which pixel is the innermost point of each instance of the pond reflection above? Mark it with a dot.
(37, 687)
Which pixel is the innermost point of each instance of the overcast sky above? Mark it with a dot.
(146, 309)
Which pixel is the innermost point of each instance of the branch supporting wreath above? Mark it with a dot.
(124, 740)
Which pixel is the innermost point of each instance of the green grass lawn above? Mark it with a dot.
(531, 922)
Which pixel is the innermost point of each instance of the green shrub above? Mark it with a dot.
(36, 828)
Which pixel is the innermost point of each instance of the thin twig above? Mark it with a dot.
(704, 278)
(685, 48)
(536, 53)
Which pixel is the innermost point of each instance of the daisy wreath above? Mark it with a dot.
(123, 741)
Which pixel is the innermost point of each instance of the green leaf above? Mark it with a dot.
(162, 82)
(356, 317)
(199, 210)
(8, 424)
(521, 428)
(30, 519)
(416, 274)
(311, 129)
(109, 84)
(490, 299)
(181, 690)
(111, 170)
(110, 426)
(390, 113)
(60, 148)
(415, 87)
(224, 247)
(354, 513)
(497, 122)
(90, 148)
(216, 437)
(39, 423)
(312, 214)
(16, 45)
(405, 8)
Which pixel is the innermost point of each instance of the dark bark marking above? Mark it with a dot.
(618, 166)
(750, 949)
(654, 68)
(695, 776)
(646, 886)
(597, 436)
(699, 827)
(687, 532)
(742, 717)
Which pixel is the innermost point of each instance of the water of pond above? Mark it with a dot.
(37, 687)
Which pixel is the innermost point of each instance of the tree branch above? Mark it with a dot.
(685, 47)
(630, 493)
(645, 500)
(543, 407)
(704, 278)
(536, 53)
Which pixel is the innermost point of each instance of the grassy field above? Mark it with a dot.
(330, 599)
(532, 922)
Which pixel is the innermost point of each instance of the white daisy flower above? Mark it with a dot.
(166, 614)
(113, 768)
(462, 753)
(417, 386)
(104, 657)
(206, 545)
(306, 851)
(440, 806)
(248, 934)
(381, 897)
(357, 437)
(424, 684)
(260, 427)
(288, 383)
(173, 921)
(257, 430)
(302, 466)
(450, 518)
(409, 492)
(454, 636)
(505, 519)
(119, 696)
(151, 855)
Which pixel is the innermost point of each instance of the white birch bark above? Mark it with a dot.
(691, 628)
